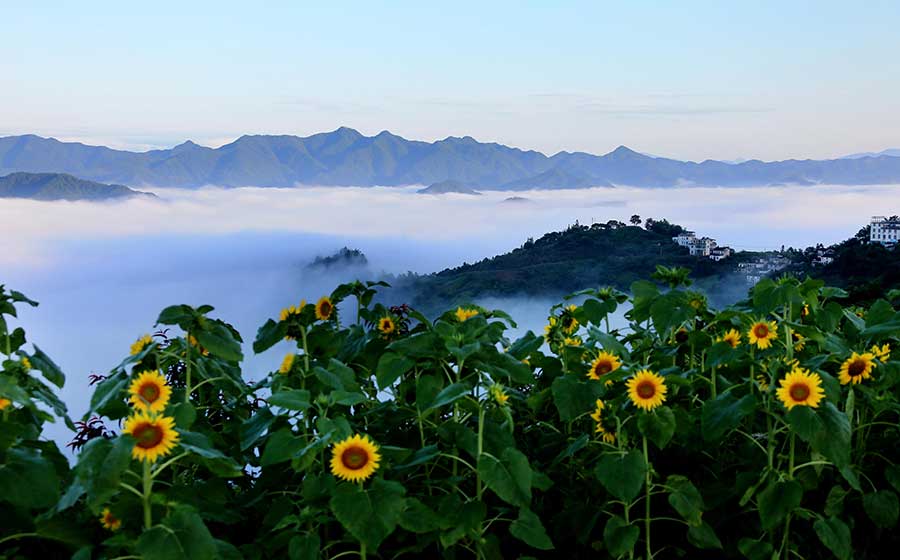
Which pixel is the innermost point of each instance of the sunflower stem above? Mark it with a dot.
(305, 358)
(712, 382)
(187, 370)
(787, 520)
(362, 550)
(647, 501)
(145, 500)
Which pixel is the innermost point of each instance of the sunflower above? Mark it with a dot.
(292, 311)
(647, 390)
(762, 382)
(608, 435)
(287, 364)
(464, 314)
(155, 435)
(4, 403)
(140, 344)
(799, 341)
(498, 394)
(572, 341)
(355, 458)
(604, 363)
(110, 521)
(150, 392)
(324, 308)
(568, 321)
(732, 337)
(883, 353)
(800, 388)
(856, 368)
(26, 363)
(548, 328)
(804, 312)
(387, 326)
(762, 333)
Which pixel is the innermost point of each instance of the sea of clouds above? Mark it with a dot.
(102, 271)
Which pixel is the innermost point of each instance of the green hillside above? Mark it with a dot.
(60, 186)
(610, 254)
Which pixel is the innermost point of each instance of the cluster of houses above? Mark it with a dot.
(702, 246)
(883, 230)
(757, 269)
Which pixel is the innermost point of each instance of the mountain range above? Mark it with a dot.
(345, 157)
(60, 186)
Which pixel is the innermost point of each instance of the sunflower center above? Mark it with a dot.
(646, 390)
(603, 368)
(325, 308)
(148, 436)
(761, 331)
(799, 392)
(149, 392)
(856, 368)
(354, 458)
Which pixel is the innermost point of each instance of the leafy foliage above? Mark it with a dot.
(487, 447)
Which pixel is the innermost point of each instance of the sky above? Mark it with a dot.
(688, 79)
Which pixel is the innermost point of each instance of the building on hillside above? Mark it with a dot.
(719, 253)
(697, 246)
(885, 231)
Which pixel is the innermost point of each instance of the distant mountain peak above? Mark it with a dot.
(345, 157)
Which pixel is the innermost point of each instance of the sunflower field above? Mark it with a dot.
(766, 430)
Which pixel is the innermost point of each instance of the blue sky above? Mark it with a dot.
(692, 80)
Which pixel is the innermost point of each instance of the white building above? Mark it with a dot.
(885, 231)
(698, 246)
(719, 253)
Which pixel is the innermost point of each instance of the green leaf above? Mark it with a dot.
(28, 479)
(892, 474)
(180, 315)
(47, 367)
(703, 536)
(181, 536)
(184, 414)
(778, 500)
(755, 550)
(509, 477)
(216, 461)
(882, 508)
(295, 399)
(369, 515)
(419, 518)
(622, 475)
(108, 394)
(834, 503)
(835, 535)
(390, 367)
(826, 429)
(254, 427)
(529, 529)
(304, 547)
(619, 536)
(573, 397)
(281, 446)
(723, 414)
(448, 395)
(421, 456)
(269, 335)
(686, 499)
(220, 342)
(658, 426)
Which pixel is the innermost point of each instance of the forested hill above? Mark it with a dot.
(610, 254)
(59, 186)
(868, 271)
